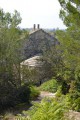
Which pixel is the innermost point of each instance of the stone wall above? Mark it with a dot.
(38, 42)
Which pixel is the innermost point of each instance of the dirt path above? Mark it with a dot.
(44, 94)
(72, 114)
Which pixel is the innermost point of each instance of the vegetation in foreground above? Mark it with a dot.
(49, 109)
(53, 108)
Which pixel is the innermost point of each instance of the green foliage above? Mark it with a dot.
(76, 104)
(52, 62)
(9, 20)
(59, 92)
(70, 39)
(48, 109)
(70, 11)
(34, 92)
(50, 86)
(11, 91)
(9, 49)
(70, 47)
(73, 101)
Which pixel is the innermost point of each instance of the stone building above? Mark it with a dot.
(38, 41)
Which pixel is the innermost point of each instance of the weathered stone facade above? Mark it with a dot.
(38, 41)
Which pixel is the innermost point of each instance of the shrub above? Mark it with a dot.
(73, 101)
(59, 92)
(34, 92)
(77, 104)
(50, 86)
(23, 94)
(15, 96)
(18, 96)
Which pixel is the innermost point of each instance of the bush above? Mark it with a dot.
(34, 92)
(77, 104)
(59, 92)
(14, 96)
(73, 101)
(18, 96)
(50, 86)
(23, 94)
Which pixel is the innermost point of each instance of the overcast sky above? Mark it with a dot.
(43, 12)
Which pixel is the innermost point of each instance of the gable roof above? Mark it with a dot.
(38, 41)
(38, 30)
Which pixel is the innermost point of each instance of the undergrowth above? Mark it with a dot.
(48, 109)
(50, 86)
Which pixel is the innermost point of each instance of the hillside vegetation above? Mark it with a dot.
(61, 61)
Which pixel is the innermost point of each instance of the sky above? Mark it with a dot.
(43, 12)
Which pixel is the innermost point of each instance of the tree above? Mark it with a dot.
(70, 12)
(70, 40)
(10, 55)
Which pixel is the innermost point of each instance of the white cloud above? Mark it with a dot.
(44, 12)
